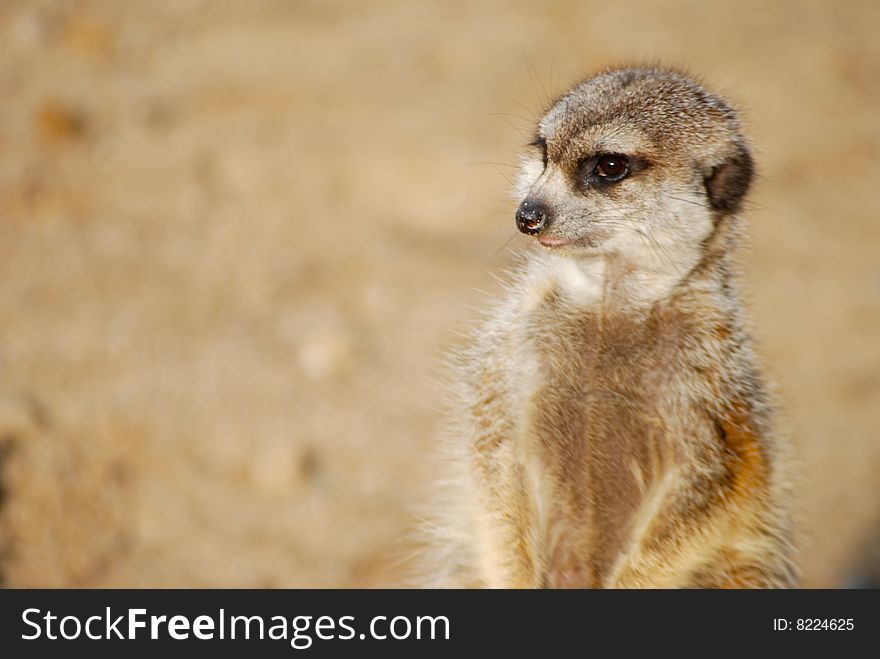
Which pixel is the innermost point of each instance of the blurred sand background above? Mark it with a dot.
(237, 238)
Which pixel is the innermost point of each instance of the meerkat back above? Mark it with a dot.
(611, 426)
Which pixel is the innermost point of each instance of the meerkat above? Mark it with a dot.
(613, 429)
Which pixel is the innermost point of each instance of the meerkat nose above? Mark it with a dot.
(532, 217)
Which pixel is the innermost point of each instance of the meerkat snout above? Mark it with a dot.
(532, 217)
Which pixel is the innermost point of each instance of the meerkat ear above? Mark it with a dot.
(729, 181)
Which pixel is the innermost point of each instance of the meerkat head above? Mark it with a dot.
(633, 162)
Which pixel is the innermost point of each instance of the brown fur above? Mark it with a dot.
(622, 438)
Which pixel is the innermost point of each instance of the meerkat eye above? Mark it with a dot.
(611, 167)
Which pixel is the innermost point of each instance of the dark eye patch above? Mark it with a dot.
(541, 144)
(602, 170)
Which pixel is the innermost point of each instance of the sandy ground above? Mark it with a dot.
(238, 237)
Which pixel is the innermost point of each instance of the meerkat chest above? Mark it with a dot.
(599, 396)
(599, 406)
(589, 362)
